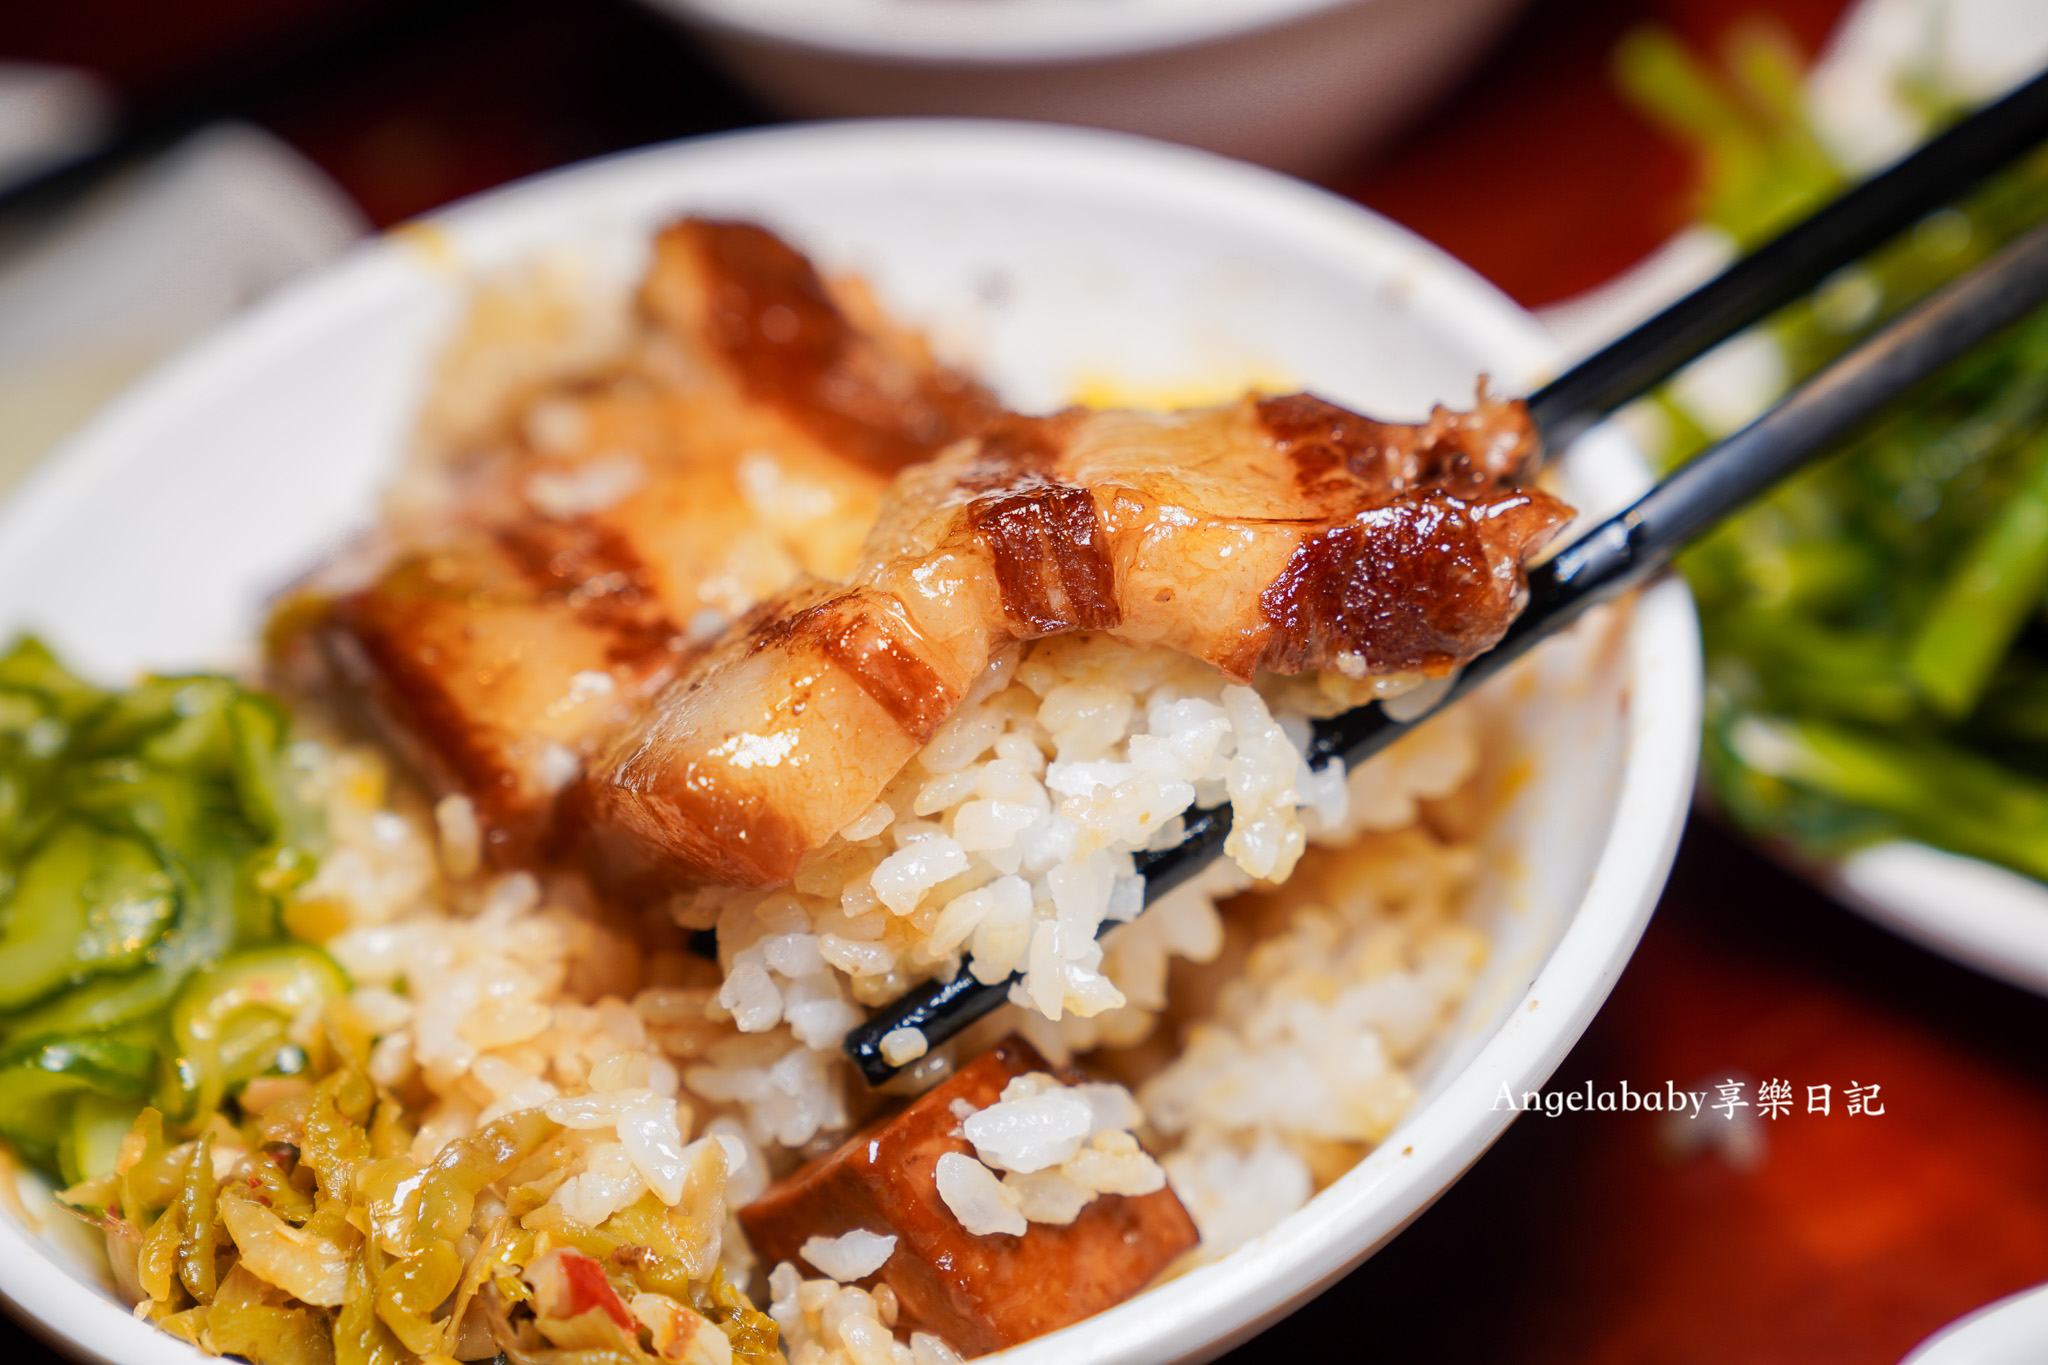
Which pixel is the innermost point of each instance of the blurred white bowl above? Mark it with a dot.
(1296, 84)
(2012, 1331)
(1045, 259)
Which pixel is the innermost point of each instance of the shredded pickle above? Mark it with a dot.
(307, 1234)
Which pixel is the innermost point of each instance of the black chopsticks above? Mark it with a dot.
(1625, 550)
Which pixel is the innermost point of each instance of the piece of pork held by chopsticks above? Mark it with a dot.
(618, 522)
(1279, 535)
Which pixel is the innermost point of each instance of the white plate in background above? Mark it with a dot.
(1973, 912)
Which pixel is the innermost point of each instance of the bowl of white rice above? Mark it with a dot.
(1336, 1048)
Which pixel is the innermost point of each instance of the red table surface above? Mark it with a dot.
(1580, 1238)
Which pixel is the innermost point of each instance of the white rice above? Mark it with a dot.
(850, 1256)
(1305, 1060)
(1058, 1146)
(824, 1322)
(977, 1196)
(1006, 846)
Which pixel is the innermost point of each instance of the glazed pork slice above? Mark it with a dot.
(1280, 535)
(617, 522)
(981, 1293)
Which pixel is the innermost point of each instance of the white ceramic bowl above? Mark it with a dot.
(1296, 84)
(2012, 1331)
(1046, 259)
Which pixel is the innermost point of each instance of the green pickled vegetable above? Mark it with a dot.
(148, 838)
(92, 1144)
(40, 1084)
(86, 902)
(241, 1323)
(231, 1021)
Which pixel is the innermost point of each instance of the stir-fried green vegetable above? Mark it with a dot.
(147, 839)
(1877, 659)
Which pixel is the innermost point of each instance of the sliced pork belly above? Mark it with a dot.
(620, 521)
(1276, 535)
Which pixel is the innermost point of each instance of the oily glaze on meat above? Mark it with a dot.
(981, 1293)
(620, 521)
(1279, 535)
